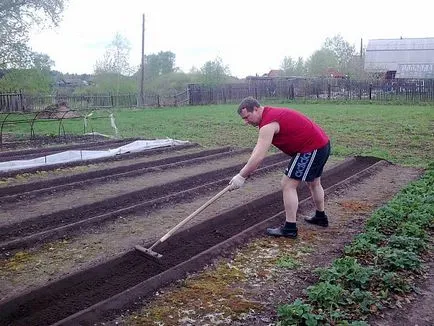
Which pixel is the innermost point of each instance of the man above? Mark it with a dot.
(307, 144)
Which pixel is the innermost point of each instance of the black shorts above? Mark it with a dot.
(308, 166)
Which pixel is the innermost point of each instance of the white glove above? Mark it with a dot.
(236, 182)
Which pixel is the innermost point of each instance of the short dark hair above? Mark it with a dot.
(249, 103)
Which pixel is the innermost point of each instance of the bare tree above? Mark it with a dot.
(116, 58)
(115, 61)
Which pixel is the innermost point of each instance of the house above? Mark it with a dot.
(333, 73)
(275, 73)
(409, 58)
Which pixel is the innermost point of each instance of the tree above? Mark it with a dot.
(292, 67)
(194, 70)
(319, 61)
(300, 67)
(36, 78)
(16, 19)
(31, 81)
(214, 72)
(288, 66)
(343, 51)
(110, 83)
(42, 61)
(115, 63)
(172, 83)
(159, 64)
(116, 58)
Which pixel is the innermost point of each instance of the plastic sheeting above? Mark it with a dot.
(82, 155)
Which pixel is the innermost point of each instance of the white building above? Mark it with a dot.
(401, 58)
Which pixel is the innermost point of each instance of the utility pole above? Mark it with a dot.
(142, 70)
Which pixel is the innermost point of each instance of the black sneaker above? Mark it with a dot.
(321, 221)
(282, 232)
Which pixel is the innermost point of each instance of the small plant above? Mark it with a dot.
(364, 244)
(392, 259)
(424, 216)
(414, 244)
(386, 219)
(348, 272)
(362, 299)
(297, 313)
(287, 262)
(328, 296)
(412, 229)
(390, 281)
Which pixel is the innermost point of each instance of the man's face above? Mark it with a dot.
(251, 118)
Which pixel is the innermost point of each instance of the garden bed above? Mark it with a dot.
(172, 192)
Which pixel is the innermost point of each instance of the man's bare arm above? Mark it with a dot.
(265, 138)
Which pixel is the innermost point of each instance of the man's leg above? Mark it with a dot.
(317, 192)
(290, 198)
(313, 179)
(290, 202)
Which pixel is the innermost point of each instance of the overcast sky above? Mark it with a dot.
(251, 37)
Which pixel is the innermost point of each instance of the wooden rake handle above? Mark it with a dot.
(197, 211)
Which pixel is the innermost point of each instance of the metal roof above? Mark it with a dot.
(410, 58)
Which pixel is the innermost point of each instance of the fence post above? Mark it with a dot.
(370, 91)
(21, 101)
(188, 94)
(329, 91)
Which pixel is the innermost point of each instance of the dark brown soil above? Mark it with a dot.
(115, 209)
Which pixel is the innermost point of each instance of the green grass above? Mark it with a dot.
(402, 134)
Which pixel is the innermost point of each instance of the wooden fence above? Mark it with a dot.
(12, 102)
(20, 102)
(314, 89)
(408, 91)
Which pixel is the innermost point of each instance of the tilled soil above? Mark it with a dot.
(184, 187)
(253, 298)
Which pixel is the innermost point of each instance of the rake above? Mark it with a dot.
(153, 254)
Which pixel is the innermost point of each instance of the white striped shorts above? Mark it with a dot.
(308, 166)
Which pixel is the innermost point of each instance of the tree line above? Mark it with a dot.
(21, 68)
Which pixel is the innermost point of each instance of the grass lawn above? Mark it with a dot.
(402, 134)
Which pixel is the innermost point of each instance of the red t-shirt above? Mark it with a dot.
(297, 133)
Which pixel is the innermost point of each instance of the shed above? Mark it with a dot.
(401, 58)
